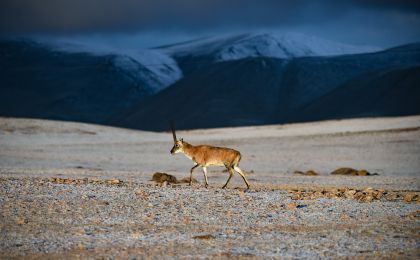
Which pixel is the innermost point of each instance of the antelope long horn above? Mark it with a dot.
(173, 131)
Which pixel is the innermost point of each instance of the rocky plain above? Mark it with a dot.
(81, 191)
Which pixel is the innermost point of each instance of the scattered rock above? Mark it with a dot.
(378, 194)
(307, 173)
(204, 237)
(291, 206)
(414, 215)
(352, 172)
(391, 196)
(82, 181)
(185, 220)
(366, 198)
(365, 195)
(358, 195)
(409, 197)
(115, 181)
(160, 177)
(363, 173)
(20, 221)
(349, 194)
(141, 193)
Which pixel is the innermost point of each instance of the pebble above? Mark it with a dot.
(364, 195)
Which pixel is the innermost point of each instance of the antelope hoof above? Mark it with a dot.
(206, 185)
(224, 187)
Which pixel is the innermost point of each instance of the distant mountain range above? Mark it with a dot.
(246, 79)
(42, 81)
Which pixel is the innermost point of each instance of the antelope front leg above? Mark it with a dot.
(230, 176)
(191, 172)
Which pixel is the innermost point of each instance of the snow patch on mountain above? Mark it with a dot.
(286, 46)
(157, 69)
(161, 65)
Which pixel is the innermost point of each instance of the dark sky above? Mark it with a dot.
(371, 22)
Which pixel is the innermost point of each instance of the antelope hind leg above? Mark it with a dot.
(205, 176)
(242, 175)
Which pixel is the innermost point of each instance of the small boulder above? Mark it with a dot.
(113, 181)
(21, 221)
(349, 194)
(291, 206)
(409, 197)
(160, 177)
(366, 198)
(352, 172)
(205, 236)
(307, 173)
(363, 173)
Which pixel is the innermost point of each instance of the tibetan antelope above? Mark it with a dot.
(206, 155)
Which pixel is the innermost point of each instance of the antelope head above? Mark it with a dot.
(178, 144)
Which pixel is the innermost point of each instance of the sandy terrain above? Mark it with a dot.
(103, 204)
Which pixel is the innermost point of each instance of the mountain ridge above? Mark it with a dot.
(262, 44)
(257, 91)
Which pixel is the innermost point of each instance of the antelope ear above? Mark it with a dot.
(182, 140)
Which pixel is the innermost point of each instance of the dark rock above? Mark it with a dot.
(352, 172)
(206, 236)
(307, 173)
(161, 177)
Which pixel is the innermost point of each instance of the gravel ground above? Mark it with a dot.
(42, 219)
(109, 208)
